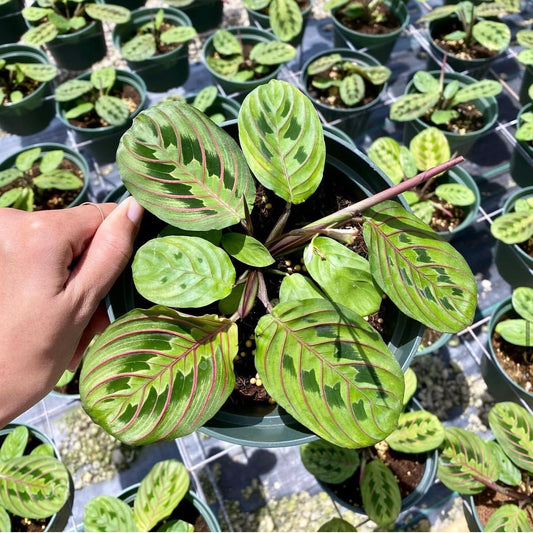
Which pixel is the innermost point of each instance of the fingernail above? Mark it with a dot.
(135, 211)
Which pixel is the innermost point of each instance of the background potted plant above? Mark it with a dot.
(345, 85)
(43, 176)
(154, 43)
(11, 21)
(239, 275)
(162, 499)
(204, 14)
(25, 76)
(217, 107)
(525, 57)
(521, 161)
(99, 106)
(71, 29)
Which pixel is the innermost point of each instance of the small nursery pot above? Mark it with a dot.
(163, 71)
(12, 24)
(460, 143)
(222, 104)
(527, 80)
(378, 46)
(204, 14)
(353, 120)
(101, 143)
(437, 345)
(189, 508)
(514, 265)
(34, 112)
(521, 163)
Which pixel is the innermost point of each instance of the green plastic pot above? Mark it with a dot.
(521, 162)
(160, 72)
(222, 104)
(58, 521)
(437, 345)
(12, 24)
(514, 265)
(271, 426)
(69, 153)
(527, 80)
(102, 143)
(352, 121)
(130, 4)
(191, 505)
(263, 21)
(34, 112)
(460, 143)
(204, 14)
(378, 46)
(249, 35)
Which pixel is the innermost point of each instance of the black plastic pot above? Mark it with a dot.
(521, 163)
(163, 71)
(12, 24)
(34, 112)
(527, 80)
(130, 4)
(102, 143)
(205, 14)
(222, 104)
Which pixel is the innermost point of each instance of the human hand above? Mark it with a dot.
(55, 268)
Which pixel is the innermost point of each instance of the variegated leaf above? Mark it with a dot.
(492, 35)
(246, 249)
(479, 89)
(423, 210)
(181, 271)
(330, 370)
(408, 163)
(385, 153)
(509, 517)
(140, 48)
(525, 57)
(58, 179)
(411, 106)
(512, 426)
(525, 38)
(323, 63)
(178, 35)
(518, 332)
(41, 34)
(33, 486)
(107, 513)
(411, 384)
(352, 90)
(272, 53)
(205, 98)
(456, 194)
(112, 109)
(509, 473)
(14, 443)
(38, 71)
(423, 275)
(51, 160)
(225, 67)
(429, 148)
(438, 13)
(337, 524)
(465, 462)
(281, 137)
(525, 203)
(329, 463)
(226, 43)
(72, 89)
(522, 299)
(160, 492)
(9, 175)
(285, 18)
(157, 375)
(424, 82)
(525, 130)
(25, 160)
(513, 228)
(167, 165)
(108, 12)
(417, 432)
(381, 496)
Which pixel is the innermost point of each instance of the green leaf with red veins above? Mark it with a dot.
(328, 368)
(157, 375)
(508, 517)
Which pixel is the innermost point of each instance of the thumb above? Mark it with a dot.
(106, 256)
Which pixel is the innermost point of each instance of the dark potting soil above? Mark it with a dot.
(249, 64)
(470, 119)
(161, 47)
(26, 87)
(127, 93)
(527, 247)
(430, 337)
(381, 20)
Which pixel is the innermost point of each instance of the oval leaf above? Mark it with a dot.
(456, 194)
(513, 228)
(385, 152)
(9, 175)
(15, 443)
(411, 384)
(522, 300)
(429, 148)
(286, 19)
(517, 331)
(509, 473)
(58, 179)
(107, 513)
(508, 517)
(246, 249)
(298, 287)
(417, 432)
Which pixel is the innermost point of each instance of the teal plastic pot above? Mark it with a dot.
(188, 509)
(437, 345)
(250, 36)
(222, 104)
(412, 499)
(514, 265)
(205, 14)
(34, 112)
(59, 520)
(160, 72)
(459, 142)
(70, 154)
(12, 24)
(341, 135)
(521, 163)
(499, 385)
(378, 46)
(271, 426)
(470, 512)
(102, 143)
(353, 120)
(263, 20)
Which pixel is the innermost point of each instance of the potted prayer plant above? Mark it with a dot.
(374, 25)
(455, 103)
(521, 163)
(449, 202)
(71, 29)
(31, 471)
(513, 231)
(11, 21)
(154, 43)
(345, 85)
(242, 58)
(386, 478)
(204, 14)
(508, 369)
(495, 475)
(217, 107)
(99, 107)
(43, 177)
(162, 501)
(25, 84)
(231, 291)
(525, 57)
(466, 36)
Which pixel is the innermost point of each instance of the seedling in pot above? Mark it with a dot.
(345, 83)
(427, 149)
(525, 131)
(163, 372)
(471, 466)
(155, 38)
(519, 331)
(58, 17)
(440, 103)
(515, 227)
(18, 80)
(371, 12)
(93, 97)
(33, 174)
(230, 62)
